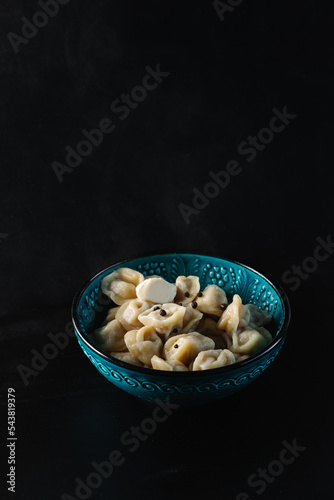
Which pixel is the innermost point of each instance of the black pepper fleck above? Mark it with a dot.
(163, 312)
(186, 294)
(194, 305)
(176, 346)
(200, 294)
(155, 308)
(175, 330)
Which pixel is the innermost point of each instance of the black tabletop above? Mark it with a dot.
(138, 127)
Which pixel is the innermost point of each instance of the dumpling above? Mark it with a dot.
(143, 344)
(208, 326)
(187, 289)
(121, 284)
(240, 357)
(191, 319)
(219, 340)
(235, 316)
(127, 358)
(258, 317)
(164, 318)
(264, 332)
(186, 346)
(227, 339)
(111, 336)
(171, 366)
(111, 314)
(128, 313)
(212, 300)
(248, 342)
(213, 358)
(156, 289)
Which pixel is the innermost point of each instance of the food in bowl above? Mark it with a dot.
(91, 309)
(176, 326)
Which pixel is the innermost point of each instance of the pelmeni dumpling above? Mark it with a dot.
(186, 346)
(211, 300)
(156, 289)
(248, 342)
(228, 339)
(187, 289)
(171, 366)
(213, 358)
(235, 316)
(143, 344)
(111, 314)
(128, 313)
(240, 357)
(121, 285)
(191, 319)
(219, 340)
(258, 317)
(127, 357)
(111, 336)
(164, 317)
(264, 332)
(208, 326)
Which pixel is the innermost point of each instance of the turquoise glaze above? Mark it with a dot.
(185, 387)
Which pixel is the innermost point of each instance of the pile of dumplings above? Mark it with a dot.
(176, 326)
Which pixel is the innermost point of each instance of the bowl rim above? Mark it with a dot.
(280, 336)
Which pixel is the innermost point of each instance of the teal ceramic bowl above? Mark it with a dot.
(90, 306)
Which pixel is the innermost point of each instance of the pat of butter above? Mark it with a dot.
(156, 290)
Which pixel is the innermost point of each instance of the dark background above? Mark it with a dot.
(225, 79)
